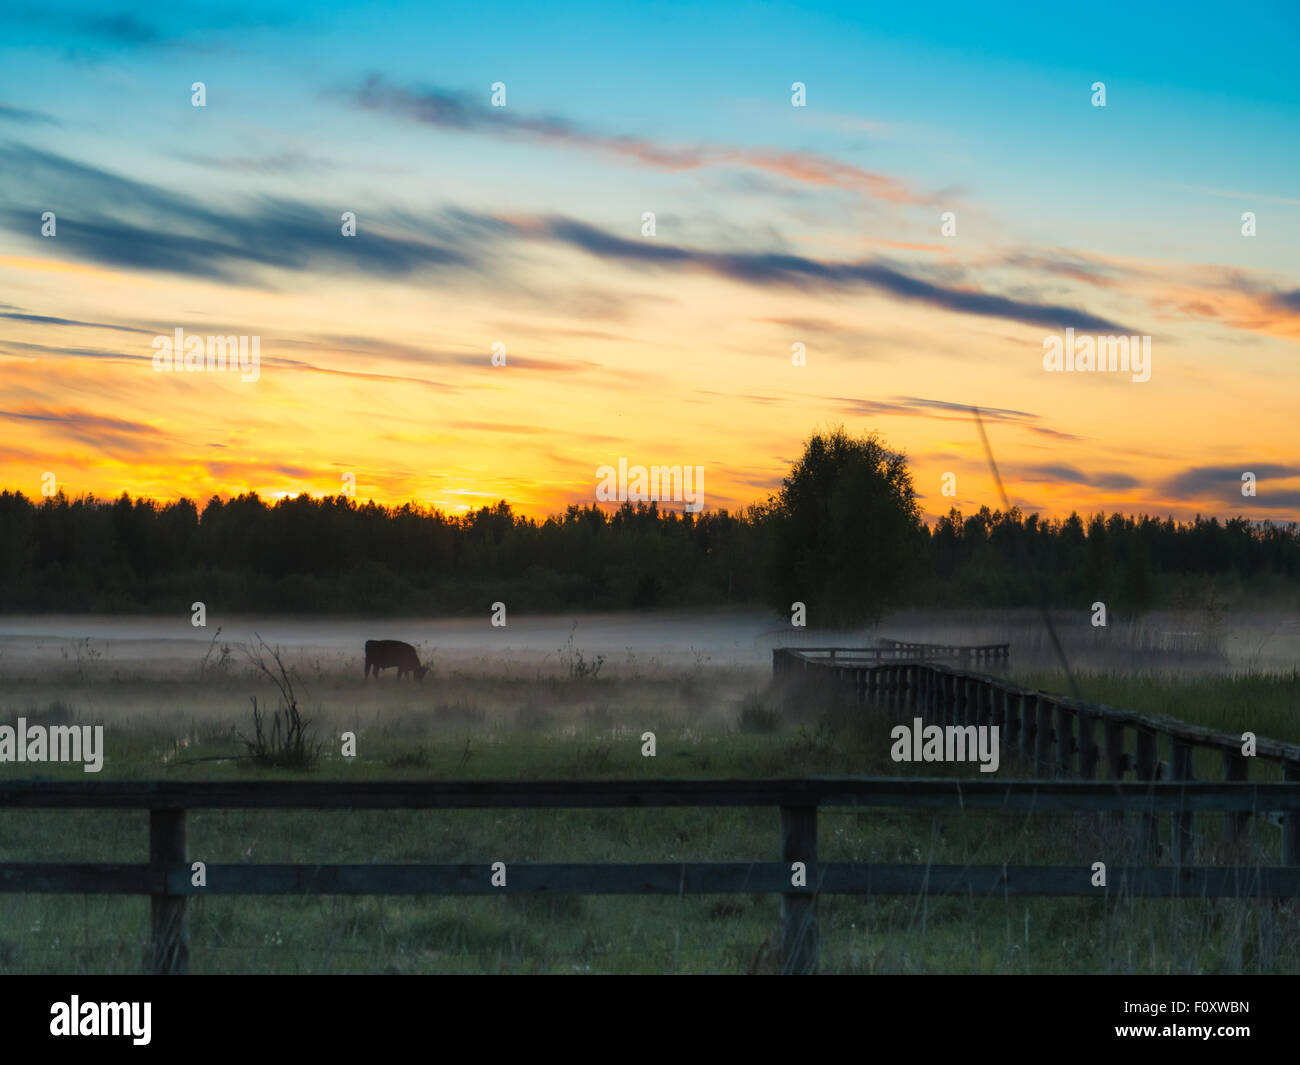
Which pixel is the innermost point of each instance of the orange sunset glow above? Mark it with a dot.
(810, 266)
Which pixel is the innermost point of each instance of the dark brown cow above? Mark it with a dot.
(383, 654)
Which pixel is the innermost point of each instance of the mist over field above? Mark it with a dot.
(160, 672)
(738, 638)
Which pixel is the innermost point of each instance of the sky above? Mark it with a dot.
(862, 215)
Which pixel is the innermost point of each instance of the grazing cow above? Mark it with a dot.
(381, 654)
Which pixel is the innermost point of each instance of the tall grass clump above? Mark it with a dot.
(286, 742)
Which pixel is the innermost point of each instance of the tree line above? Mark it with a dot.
(843, 535)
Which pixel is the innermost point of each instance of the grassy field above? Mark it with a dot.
(569, 724)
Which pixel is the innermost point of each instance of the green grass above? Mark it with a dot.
(706, 726)
(1268, 705)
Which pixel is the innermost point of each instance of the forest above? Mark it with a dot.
(334, 555)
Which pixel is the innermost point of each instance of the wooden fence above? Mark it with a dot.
(168, 876)
(990, 653)
(898, 651)
(1056, 735)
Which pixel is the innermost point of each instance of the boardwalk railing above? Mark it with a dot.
(897, 651)
(992, 652)
(799, 878)
(1056, 735)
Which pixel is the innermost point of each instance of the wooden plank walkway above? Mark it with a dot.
(1056, 735)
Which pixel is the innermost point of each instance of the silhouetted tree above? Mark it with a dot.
(844, 530)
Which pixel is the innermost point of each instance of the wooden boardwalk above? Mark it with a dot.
(1057, 736)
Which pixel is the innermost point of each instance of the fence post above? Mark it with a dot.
(1115, 761)
(799, 909)
(1088, 755)
(1028, 725)
(1145, 767)
(1235, 768)
(1064, 741)
(1182, 841)
(169, 936)
(1043, 737)
(1010, 720)
(1291, 820)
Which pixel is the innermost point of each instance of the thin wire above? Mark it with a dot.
(1006, 507)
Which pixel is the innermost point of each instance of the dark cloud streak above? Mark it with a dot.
(172, 233)
(775, 269)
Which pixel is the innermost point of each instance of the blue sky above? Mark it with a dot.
(776, 225)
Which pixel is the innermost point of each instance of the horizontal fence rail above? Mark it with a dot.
(664, 878)
(168, 876)
(1046, 796)
(898, 651)
(991, 652)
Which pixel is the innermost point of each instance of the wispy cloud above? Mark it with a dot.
(943, 410)
(101, 431)
(27, 116)
(169, 232)
(1060, 473)
(463, 113)
(45, 319)
(287, 162)
(1225, 296)
(1234, 194)
(177, 234)
(1200, 481)
(779, 269)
